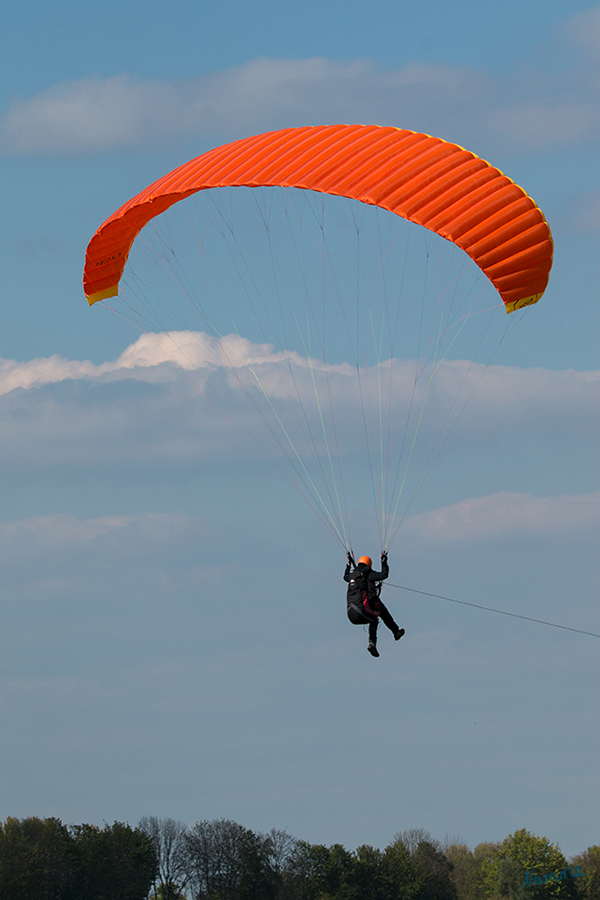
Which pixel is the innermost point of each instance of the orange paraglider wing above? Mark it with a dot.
(424, 179)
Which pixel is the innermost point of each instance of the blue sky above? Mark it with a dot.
(174, 639)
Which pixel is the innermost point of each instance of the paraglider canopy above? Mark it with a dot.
(306, 329)
(424, 179)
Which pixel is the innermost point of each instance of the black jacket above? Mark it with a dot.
(362, 586)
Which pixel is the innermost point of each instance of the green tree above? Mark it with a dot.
(402, 873)
(116, 862)
(258, 878)
(463, 863)
(433, 873)
(307, 867)
(527, 867)
(336, 880)
(588, 885)
(35, 859)
(469, 870)
(367, 878)
(225, 861)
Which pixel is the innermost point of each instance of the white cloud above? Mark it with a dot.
(57, 530)
(37, 372)
(506, 515)
(48, 535)
(508, 396)
(187, 396)
(64, 545)
(547, 122)
(96, 115)
(194, 350)
(513, 393)
(91, 114)
(185, 350)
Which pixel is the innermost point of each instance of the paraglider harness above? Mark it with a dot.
(358, 589)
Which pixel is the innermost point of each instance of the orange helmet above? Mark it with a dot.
(366, 560)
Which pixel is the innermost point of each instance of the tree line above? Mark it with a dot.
(42, 859)
(161, 859)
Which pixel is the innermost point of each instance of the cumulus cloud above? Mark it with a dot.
(507, 514)
(95, 115)
(41, 371)
(55, 531)
(513, 392)
(189, 396)
(90, 114)
(511, 397)
(54, 542)
(547, 122)
(184, 350)
(533, 111)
